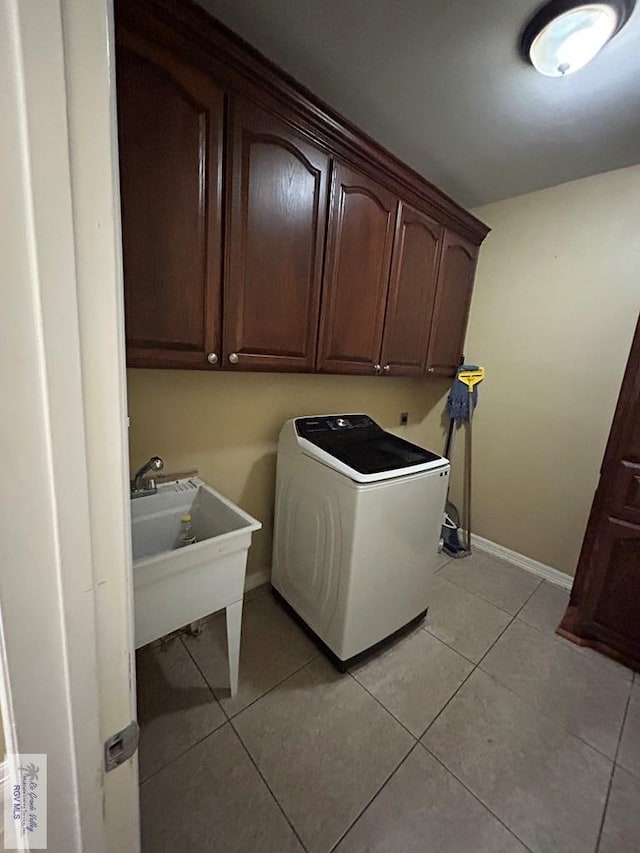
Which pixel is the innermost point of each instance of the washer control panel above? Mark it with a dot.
(306, 427)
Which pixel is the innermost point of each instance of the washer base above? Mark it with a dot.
(338, 663)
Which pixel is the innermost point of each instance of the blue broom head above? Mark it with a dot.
(461, 403)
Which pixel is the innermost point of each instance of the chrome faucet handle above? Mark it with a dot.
(155, 464)
(140, 485)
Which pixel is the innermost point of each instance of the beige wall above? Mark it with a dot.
(555, 304)
(227, 425)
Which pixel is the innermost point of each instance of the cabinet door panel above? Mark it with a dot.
(170, 126)
(452, 303)
(625, 491)
(356, 276)
(275, 244)
(613, 602)
(412, 289)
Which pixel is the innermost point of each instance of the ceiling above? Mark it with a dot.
(441, 85)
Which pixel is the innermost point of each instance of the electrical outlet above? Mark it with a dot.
(404, 418)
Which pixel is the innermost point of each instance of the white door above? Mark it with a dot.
(66, 640)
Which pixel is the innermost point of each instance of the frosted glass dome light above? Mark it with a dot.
(562, 38)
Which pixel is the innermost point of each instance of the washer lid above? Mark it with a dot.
(356, 446)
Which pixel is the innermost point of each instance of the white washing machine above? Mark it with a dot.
(358, 516)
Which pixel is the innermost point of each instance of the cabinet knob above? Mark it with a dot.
(233, 358)
(376, 368)
(429, 369)
(212, 358)
(386, 368)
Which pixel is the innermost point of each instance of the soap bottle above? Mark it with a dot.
(186, 536)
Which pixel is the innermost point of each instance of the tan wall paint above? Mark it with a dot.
(227, 425)
(555, 304)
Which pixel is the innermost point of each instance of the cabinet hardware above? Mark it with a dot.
(429, 369)
(233, 358)
(212, 358)
(386, 368)
(376, 368)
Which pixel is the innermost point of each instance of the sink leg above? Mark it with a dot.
(234, 624)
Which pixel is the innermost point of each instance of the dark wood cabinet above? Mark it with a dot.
(456, 273)
(356, 277)
(275, 245)
(604, 609)
(412, 290)
(170, 127)
(261, 230)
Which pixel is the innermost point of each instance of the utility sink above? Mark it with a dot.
(174, 587)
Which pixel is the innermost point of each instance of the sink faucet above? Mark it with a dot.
(141, 485)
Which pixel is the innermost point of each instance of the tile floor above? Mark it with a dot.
(480, 732)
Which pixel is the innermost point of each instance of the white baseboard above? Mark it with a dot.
(256, 579)
(486, 546)
(547, 572)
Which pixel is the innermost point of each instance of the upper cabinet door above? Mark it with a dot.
(275, 246)
(452, 303)
(170, 127)
(356, 275)
(412, 289)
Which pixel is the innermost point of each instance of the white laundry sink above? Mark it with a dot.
(174, 587)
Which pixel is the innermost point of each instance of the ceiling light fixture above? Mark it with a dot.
(564, 36)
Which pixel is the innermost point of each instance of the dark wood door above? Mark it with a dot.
(356, 276)
(604, 609)
(170, 129)
(275, 244)
(453, 300)
(412, 289)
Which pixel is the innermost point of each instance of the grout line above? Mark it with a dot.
(512, 617)
(257, 698)
(567, 644)
(548, 717)
(474, 795)
(476, 665)
(455, 693)
(377, 794)
(442, 565)
(268, 787)
(487, 600)
(586, 653)
(384, 707)
(544, 714)
(444, 643)
(613, 769)
(504, 630)
(446, 704)
(524, 603)
(191, 746)
(271, 689)
(529, 702)
(507, 626)
(228, 718)
(205, 736)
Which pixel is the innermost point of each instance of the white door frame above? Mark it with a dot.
(66, 638)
